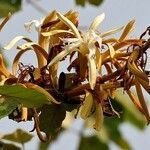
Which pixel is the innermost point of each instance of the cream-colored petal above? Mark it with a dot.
(36, 23)
(97, 21)
(110, 32)
(91, 70)
(127, 30)
(70, 25)
(15, 40)
(61, 55)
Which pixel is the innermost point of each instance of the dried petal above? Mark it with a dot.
(99, 117)
(87, 105)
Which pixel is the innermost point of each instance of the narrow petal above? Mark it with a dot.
(98, 60)
(24, 113)
(3, 69)
(87, 105)
(135, 101)
(133, 68)
(142, 101)
(53, 32)
(111, 50)
(61, 55)
(99, 117)
(92, 71)
(97, 21)
(144, 84)
(70, 25)
(129, 27)
(110, 32)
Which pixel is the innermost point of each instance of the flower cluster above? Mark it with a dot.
(90, 53)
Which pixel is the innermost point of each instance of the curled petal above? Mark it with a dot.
(40, 52)
(48, 19)
(70, 25)
(15, 40)
(29, 25)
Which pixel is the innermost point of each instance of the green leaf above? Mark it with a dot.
(18, 136)
(92, 2)
(44, 146)
(7, 105)
(96, 2)
(80, 2)
(25, 96)
(130, 113)
(112, 127)
(7, 6)
(51, 118)
(92, 143)
(6, 146)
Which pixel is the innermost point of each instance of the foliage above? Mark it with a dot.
(7, 105)
(87, 143)
(19, 136)
(7, 6)
(12, 6)
(93, 2)
(55, 115)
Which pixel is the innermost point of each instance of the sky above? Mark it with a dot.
(118, 13)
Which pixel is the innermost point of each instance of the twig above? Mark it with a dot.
(36, 120)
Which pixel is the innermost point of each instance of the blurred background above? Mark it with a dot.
(128, 132)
